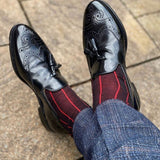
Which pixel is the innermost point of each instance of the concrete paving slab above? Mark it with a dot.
(140, 46)
(84, 91)
(146, 78)
(141, 7)
(22, 135)
(10, 14)
(151, 24)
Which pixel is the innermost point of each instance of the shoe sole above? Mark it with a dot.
(136, 98)
(41, 111)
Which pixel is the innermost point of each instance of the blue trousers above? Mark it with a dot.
(116, 131)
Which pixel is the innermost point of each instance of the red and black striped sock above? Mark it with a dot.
(110, 86)
(67, 106)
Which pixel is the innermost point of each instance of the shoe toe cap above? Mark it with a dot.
(95, 13)
(99, 20)
(28, 44)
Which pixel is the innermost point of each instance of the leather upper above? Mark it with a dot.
(34, 61)
(104, 39)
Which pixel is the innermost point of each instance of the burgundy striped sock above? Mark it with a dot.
(67, 106)
(110, 86)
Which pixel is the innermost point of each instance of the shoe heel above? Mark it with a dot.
(42, 116)
(80, 158)
(136, 98)
(43, 119)
(52, 123)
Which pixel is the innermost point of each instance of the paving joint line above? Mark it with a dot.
(128, 67)
(4, 45)
(25, 13)
(24, 0)
(147, 14)
(80, 83)
(140, 25)
(143, 62)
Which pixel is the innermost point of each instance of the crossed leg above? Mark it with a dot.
(67, 104)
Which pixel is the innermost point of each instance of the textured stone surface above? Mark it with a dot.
(84, 91)
(147, 81)
(140, 46)
(151, 24)
(141, 7)
(10, 14)
(22, 135)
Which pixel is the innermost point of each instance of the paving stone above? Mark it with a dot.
(84, 91)
(10, 14)
(22, 135)
(146, 78)
(141, 7)
(151, 24)
(140, 46)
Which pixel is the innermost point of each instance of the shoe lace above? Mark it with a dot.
(93, 51)
(53, 65)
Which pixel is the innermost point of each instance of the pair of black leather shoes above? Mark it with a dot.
(105, 45)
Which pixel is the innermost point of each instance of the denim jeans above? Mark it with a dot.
(116, 131)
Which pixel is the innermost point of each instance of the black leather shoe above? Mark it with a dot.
(105, 43)
(34, 64)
